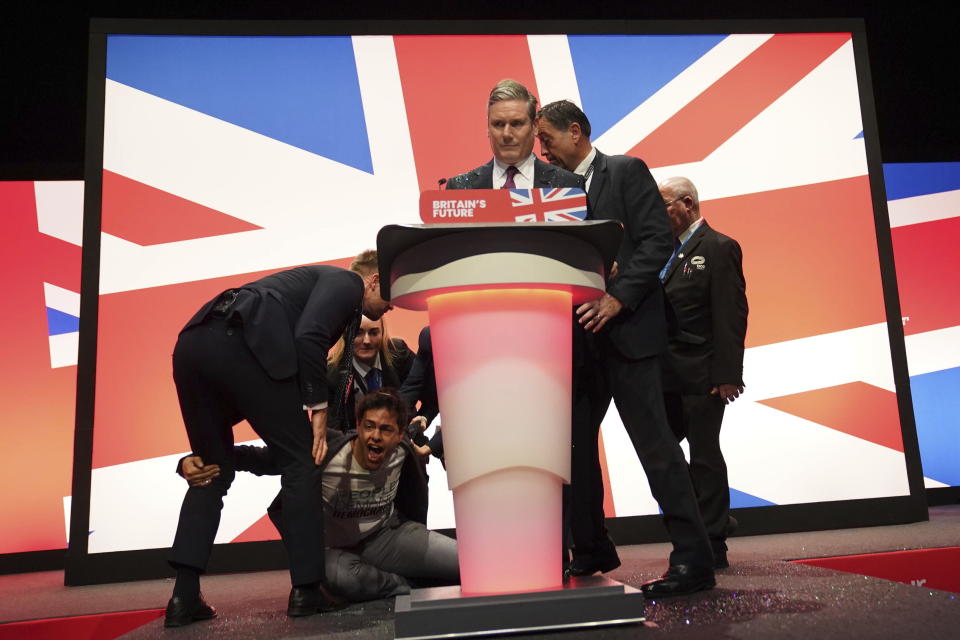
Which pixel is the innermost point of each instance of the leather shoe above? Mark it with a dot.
(602, 559)
(181, 612)
(306, 601)
(680, 579)
(732, 525)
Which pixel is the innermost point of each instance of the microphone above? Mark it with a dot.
(441, 182)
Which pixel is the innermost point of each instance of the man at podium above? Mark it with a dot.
(512, 128)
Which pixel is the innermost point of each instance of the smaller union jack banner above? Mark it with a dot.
(549, 205)
(503, 205)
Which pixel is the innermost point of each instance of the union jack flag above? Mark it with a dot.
(227, 157)
(549, 205)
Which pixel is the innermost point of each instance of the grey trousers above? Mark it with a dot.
(380, 565)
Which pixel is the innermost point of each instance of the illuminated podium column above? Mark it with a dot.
(500, 299)
(502, 359)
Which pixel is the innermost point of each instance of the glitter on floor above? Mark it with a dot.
(760, 596)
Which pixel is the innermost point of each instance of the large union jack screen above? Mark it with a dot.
(228, 157)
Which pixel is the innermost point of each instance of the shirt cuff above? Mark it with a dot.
(315, 407)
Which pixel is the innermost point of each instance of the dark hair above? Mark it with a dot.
(385, 398)
(562, 112)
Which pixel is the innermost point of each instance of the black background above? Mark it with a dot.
(913, 54)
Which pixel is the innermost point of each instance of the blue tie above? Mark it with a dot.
(676, 249)
(373, 380)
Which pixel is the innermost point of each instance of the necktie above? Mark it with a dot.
(673, 256)
(372, 380)
(511, 172)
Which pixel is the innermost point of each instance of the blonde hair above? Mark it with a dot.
(387, 349)
(365, 263)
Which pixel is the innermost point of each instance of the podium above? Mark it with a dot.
(500, 300)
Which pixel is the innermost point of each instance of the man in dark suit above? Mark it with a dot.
(259, 353)
(421, 386)
(512, 128)
(625, 334)
(703, 369)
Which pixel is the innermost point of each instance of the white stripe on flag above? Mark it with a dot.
(60, 209)
(62, 299)
(925, 208)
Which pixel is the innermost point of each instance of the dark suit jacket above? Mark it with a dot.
(544, 176)
(622, 189)
(421, 385)
(394, 375)
(291, 319)
(706, 289)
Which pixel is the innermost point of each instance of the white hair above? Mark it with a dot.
(682, 187)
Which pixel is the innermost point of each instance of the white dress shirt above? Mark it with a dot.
(585, 168)
(689, 231)
(523, 179)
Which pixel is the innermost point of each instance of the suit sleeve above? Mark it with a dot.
(419, 383)
(257, 460)
(728, 300)
(403, 358)
(334, 302)
(649, 230)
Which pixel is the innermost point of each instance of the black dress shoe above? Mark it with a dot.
(181, 612)
(601, 559)
(306, 601)
(680, 579)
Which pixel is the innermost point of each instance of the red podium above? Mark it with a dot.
(500, 299)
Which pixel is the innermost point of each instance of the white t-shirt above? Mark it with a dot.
(358, 502)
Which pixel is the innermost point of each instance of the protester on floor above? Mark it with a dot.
(375, 505)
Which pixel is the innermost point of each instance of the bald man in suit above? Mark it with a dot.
(703, 370)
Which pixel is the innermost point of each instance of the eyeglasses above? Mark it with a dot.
(667, 204)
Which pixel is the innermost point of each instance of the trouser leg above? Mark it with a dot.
(275, 412)
(413, 551)
(357, 580)
(673, 406)
(208, 419)
(586, 487)
(708, 470)
(638, 395)
(591, 399)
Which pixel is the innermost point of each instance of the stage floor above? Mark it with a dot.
(759, 596)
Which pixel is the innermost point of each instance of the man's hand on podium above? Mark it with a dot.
(596, 313)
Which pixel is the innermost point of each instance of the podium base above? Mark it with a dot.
(443, 612)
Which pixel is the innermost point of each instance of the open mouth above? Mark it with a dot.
(374, 452)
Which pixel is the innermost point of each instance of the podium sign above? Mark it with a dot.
(503, 205)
